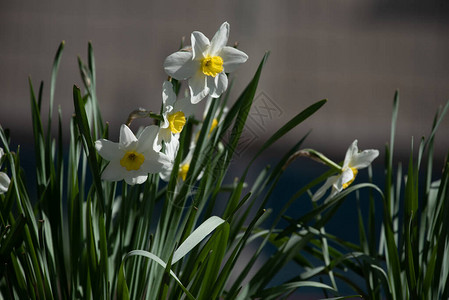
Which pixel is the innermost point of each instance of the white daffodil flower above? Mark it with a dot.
(172, 150)
(205, 65)
(175, 114)
(131, 159)
(354, 161)
(4, 179)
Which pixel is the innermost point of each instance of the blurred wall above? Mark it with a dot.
(354, 53)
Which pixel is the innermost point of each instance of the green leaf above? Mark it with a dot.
(123, 287)
(276, 292)
(242, 106)
(54, 75)
(217, 249)
(196, 237)
(83, 125)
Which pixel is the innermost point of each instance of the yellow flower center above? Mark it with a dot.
(132, 160)
(176, 121)
(214, 124)
(354, 173)
(183, 169)
(212, 65)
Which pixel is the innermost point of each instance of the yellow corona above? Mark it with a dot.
(183, 169)
(132, 160)
(212, 65)
(176, 121)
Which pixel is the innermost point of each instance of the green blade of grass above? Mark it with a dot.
(84, 129)
(149, 255)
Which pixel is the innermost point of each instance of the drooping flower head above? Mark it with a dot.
(4, 179)
(205, 65)
(354, 161)
(175, 114)
(131, 159)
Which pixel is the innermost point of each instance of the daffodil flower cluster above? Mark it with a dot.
(205, 65)
(4, 179)
(354, 161)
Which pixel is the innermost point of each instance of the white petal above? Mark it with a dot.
(168, 94)
(152, 163)
(232, 58)
(165, 135)
(322, 190)
(165, 123)
(165, 174)
(331, 195)
(185, 106)
(346, 176)
(113, 171)
(171, 148)
(352, 150)
(200, 45)
(132, 179)
(108, 150)
(157, 145)
(363, 159)
(180, 65)
(198, 87)
(4, 182)
(217, 85)
(165, 160)
(146, 139)
(1, 153)
(219, 40)
(126, 136)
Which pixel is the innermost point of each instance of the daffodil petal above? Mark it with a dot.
(345, 177)
(185, 106)
(165, 175)
(133, 179)
(167, 165)
(198, 87)
(363, 159)
(352, 150)
(219, 40)
(4, 182)
(180, 65)
(113, 171)
(168, 94)
(171, 149)
(152, 164)
(322, 190)
(165, 161)
(146, 139)
(200, 45)
(165, 135)
(232, 58)
(108, 150)
(217, 85)
(126, 136)
(165, 123)
(331, 195)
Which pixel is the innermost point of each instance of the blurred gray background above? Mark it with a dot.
(354, 53)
